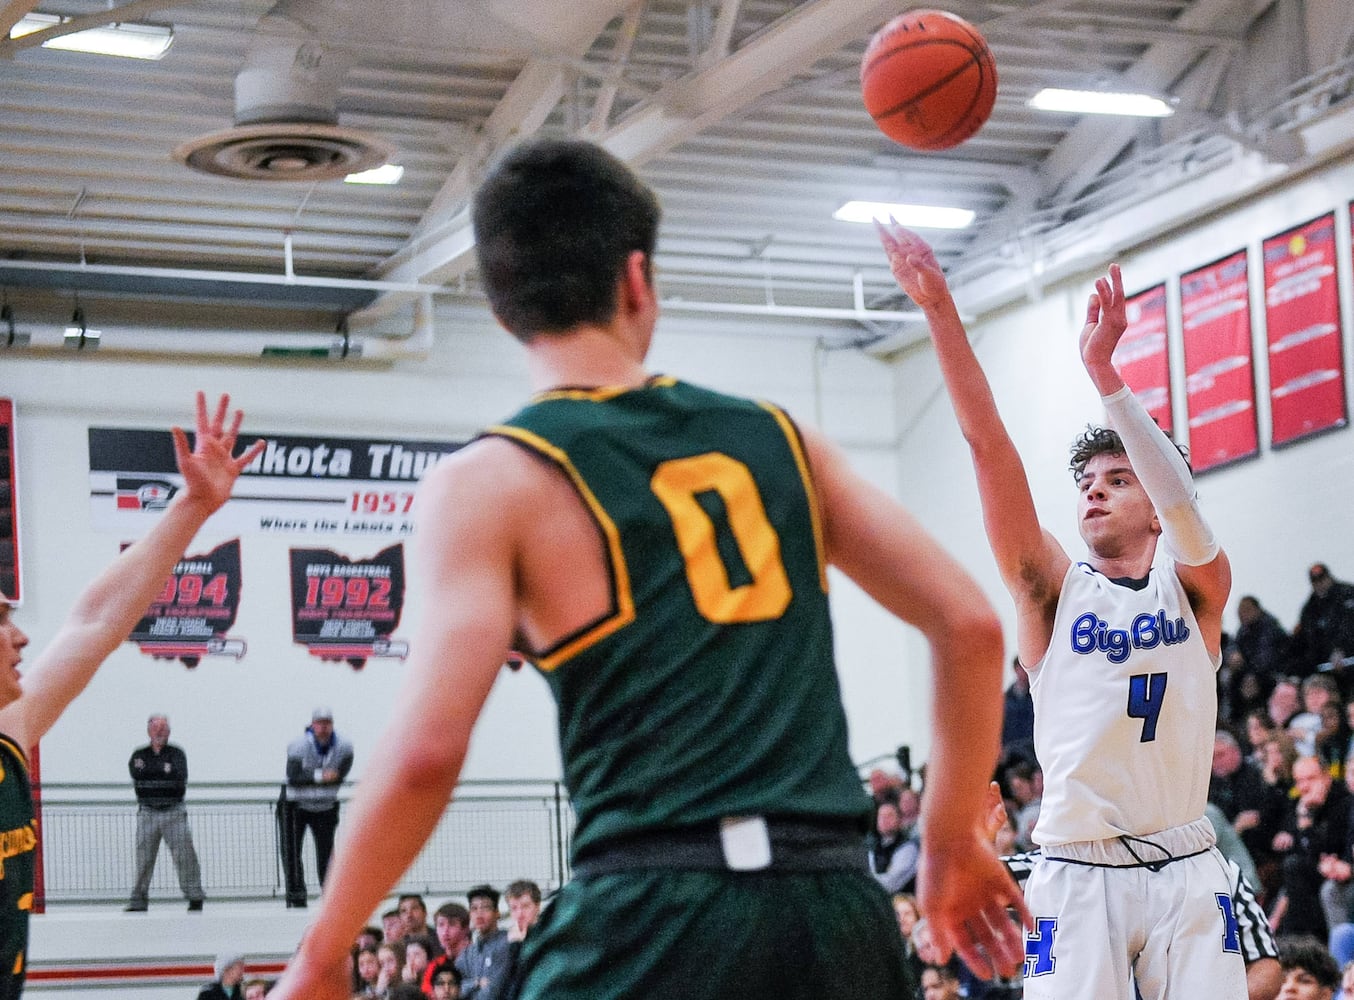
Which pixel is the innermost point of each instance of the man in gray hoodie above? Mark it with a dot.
(317, 763)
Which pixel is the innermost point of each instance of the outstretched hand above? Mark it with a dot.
(913, 264)
(210, 469)
(1106, 321)
(965, 893)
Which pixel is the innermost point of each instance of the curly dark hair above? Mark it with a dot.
(1102, 441)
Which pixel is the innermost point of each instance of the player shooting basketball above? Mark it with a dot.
(1122, 651)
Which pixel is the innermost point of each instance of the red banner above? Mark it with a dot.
(11, 580)
(1215, 319)
(1142, 359)
(1302, 320)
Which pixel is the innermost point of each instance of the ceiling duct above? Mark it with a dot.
(286, 118)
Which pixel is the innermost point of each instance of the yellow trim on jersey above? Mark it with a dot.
(801, 460)
(625, 602)
(17, 751)
(600, 394)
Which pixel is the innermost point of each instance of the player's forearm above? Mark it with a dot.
(120, 596)
(382, 833)
(966, 723)
(969, 391)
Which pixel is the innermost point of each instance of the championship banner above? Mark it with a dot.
(1219, 370)
(1302, 322)
(196, 608)
(1141, 357)
(11, 580)
(297, 485)
(346, 609)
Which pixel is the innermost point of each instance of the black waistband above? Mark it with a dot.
(797, 845)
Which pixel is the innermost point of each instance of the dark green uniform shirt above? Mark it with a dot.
(18, 841)
(708, 689)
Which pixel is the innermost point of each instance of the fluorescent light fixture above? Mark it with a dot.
(128, 39)
(916, 216)
(390, 173)
(1095, 102)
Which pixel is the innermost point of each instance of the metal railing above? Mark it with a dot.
(493, 832)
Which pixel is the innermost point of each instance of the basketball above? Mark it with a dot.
(928, 79)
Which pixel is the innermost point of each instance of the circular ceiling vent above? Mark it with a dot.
(284, 151)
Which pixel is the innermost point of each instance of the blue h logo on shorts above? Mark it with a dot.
(1039, 960)
(1231, 934)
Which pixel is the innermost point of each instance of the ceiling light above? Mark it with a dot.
(388, 174)
(1095, 102)
(128, 39)
(916, 216)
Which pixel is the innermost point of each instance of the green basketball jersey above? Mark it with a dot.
(708, 689)
(18, 840)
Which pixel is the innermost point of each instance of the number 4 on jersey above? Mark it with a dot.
(1146, 692)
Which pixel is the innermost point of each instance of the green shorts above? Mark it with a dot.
(659, 934)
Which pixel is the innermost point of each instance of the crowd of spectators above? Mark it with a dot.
(469, 951)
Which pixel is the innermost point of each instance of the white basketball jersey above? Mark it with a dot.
(1125, 706)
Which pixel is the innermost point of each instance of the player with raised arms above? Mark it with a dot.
(102, 618)
(660, 552)
(1122, 651)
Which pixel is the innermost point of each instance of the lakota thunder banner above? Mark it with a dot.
(1142, 358)
(197, 606)
(1219, 381)
(298, 485)
(1302, 323)
(346, 609)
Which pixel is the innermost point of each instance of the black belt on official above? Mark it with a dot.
(796, 845)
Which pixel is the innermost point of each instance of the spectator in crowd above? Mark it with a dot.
(1253, 808)
(1318, 691)
(451, 923)
(484, 963)
(1025, 780)
(1337, 892)
(256, 989)
(1309, 971)
(392, 925)
(1347, 980)
(1250, 693)
(1325, 631)
(101, 619)
(893, 852)
(446, 984)
(1284, 702)
(159, 773)
(1317, 824)
(390, 957)
(1259, 727)
(227, 985)
(885, 786)
(369, 937)
(417, 956)
(406, 991)
(1263, 642)
(366, 974)
(524, 909)
(414, 912)
(909, 916)
(317, 763)
(1017, 713)
(1332, 739)
(940, 982)
(1279, 755)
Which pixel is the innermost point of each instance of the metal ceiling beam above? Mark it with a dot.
(1093, 144)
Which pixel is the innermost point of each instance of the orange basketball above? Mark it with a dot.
(928, 79)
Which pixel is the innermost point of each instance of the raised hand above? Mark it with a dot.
(1106, 321)
(965, 894)
(913, 264)
(209, 469)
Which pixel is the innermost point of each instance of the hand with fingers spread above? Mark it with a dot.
(965, 893)
(913, 264)
(1106, 321)
(209, 468)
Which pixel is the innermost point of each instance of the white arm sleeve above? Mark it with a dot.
(1166, 478)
